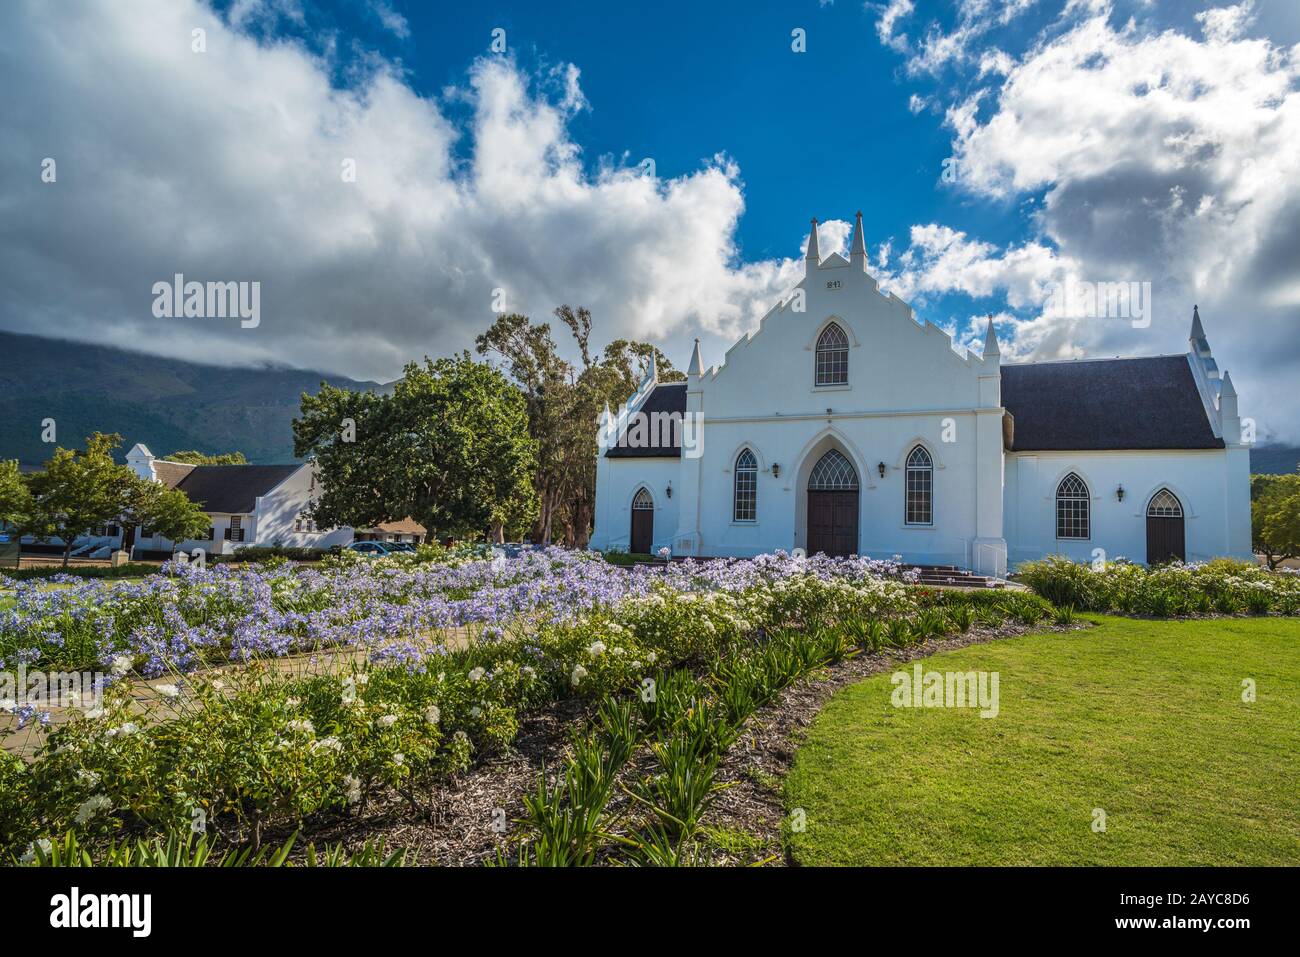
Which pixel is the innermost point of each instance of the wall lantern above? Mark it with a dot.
(776, 470)
(1119, 493)
(880, 467)
(669, 490)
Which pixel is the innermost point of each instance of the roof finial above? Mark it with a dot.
(858, 250)
(813, 256)
(1198, 331)
(1226, 390)
(697, 364)
(991, 341)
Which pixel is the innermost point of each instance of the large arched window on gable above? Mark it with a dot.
(744, 506)
(832, 356)
(1072, 506)
(920, 487)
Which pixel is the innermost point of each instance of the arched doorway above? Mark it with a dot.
(643, 522)
(1166, 538)
(833, 506)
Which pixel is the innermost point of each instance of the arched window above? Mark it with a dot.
(920, 487)
(1072, 508)
(1165, 504)
(642, 499)
(832, 356)
(744, 506)
(833, 473)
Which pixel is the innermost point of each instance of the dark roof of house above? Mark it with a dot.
(232, 489)
(1098, 404)
(171, 473)
(667, 398)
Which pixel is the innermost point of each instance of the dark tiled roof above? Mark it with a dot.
(667, 398)
(232, 488)
(1098, 404)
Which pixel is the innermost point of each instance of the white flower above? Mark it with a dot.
(168, 691)
(596, 648)
(527, 671)
(475, 711)
(292, 703)
(399, 759)
(121, 664)
(363, 679)
(92, 806)
(88, 778)
(579, 673)
(30, 854)
(650, 657)
(476, 674)
(125, 730)
(304, 726)
(94, 714)
(388, 720)
(352, 789)
(433, 715)
(8, 704)
(461, 737)
(219, 685)
(349, 691)
(327, 744)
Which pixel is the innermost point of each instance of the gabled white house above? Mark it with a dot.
(248, 504)
(844, 426)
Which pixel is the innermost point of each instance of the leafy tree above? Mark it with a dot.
(15, 498)
(564, 402)
(193, 457)
(79, 490)
(449, 447)
(1275, 517)
(167, 511)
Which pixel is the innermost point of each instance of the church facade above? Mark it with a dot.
(842, 425)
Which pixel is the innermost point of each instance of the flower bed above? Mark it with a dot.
(234, 748)
(1221, 586)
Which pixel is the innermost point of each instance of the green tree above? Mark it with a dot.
(15, 498)
(193, 457)
(79, 490)
(1275, 517)
(449, 447)
(167, 511)
(564, 401)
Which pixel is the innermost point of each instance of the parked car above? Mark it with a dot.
(369, 549)
(400, 547)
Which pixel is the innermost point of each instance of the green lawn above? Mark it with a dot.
(1143, 719)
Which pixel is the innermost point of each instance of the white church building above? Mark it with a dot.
(842, 425)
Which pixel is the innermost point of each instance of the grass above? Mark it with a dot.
(1142, 719)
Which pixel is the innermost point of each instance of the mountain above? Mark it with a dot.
(167, 404)
(1274, 459)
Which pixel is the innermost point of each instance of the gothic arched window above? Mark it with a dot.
(832, 356)
(1072, 506)
(744, 507)
(920, 487)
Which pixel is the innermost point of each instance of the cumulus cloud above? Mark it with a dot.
(229, 165)
(1153, 156)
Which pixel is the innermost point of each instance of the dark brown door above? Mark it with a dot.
(1165, 540)
(643, 524)
(833, 523)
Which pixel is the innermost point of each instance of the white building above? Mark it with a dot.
(842, 425)
(249, 505)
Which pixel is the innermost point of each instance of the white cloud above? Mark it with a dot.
(227, 166)
(393, 21)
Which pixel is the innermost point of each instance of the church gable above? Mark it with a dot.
(838, 342)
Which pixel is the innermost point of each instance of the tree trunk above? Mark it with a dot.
(67, 550)
(498, 533)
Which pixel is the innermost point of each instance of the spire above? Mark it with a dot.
(1198, 331)
(1226, 391)
(814, 256)
(697, 364)
(991, 341)
(858, 249)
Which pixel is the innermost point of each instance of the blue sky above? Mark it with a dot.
(1096, 140)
